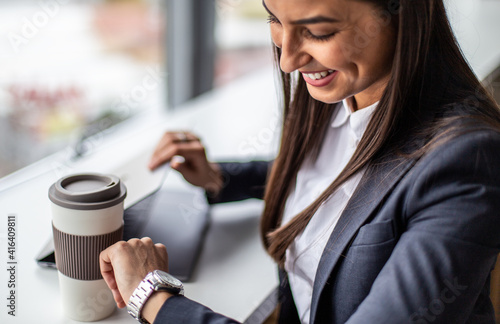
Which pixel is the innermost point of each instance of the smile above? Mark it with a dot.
(318, 75)
(320, 79)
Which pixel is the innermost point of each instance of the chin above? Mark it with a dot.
(324, 97)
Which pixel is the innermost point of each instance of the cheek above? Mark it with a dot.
(331, 55)
(378, 55)
(365, 62)
(377, 61)
(337, 56)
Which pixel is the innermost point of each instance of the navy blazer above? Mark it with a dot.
(415, 244)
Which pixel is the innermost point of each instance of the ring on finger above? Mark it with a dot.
(182, 137)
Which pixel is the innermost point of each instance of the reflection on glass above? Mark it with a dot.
(71, 69)
(243, 39)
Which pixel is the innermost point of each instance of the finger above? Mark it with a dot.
(190, 151)
(120, 302)
(164, 154)
(157, 157)
(107, 268)
(178, 166)
(168, 140)
(109, 278)
(162, 249)
(111, 282)
(189, 169)
(108, 275)
(147, 241)
(184, 137)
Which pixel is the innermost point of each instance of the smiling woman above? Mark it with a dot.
(382, 204)
(327, 42)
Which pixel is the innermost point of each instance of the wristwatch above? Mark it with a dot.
(154, 281)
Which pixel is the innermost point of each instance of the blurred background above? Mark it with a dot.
(70, 69)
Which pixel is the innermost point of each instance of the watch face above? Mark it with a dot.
(168, 279)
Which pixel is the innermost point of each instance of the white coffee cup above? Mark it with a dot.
(87, 217)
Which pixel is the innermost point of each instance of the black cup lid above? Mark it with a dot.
(87, 191)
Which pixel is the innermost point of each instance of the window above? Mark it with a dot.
(243, 39)
(73, 68)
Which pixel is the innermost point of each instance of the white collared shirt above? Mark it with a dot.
(314, 176)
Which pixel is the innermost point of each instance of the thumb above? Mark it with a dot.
(177, 165)
(181, 167)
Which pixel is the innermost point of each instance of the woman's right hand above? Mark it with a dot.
(195, 168)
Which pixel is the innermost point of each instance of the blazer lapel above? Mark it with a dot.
(376, 183)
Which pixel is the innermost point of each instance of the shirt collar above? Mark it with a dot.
(342, 114)
(358, 120)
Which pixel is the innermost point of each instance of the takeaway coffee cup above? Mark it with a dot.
(87, 217)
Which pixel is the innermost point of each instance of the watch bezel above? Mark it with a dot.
(172, 283)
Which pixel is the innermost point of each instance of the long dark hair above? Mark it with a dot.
(429, 77)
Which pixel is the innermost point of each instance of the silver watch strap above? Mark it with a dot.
(139, 297)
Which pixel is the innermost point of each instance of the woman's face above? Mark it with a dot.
(342, 48)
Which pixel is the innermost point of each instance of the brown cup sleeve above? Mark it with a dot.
(77, 256)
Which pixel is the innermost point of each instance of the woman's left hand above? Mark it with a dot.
(125, 264)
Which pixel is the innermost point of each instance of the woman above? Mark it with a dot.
(381, 206)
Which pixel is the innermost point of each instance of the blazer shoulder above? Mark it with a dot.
(467, 147)
(457, 185)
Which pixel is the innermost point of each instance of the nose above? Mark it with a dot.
(293, 55)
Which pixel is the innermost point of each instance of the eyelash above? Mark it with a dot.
(272, 20)
(322, 38)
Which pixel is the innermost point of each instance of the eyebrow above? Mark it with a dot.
(305, 21)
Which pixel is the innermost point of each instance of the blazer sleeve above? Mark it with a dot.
(179, 309)
(242, 181)
(439, 270)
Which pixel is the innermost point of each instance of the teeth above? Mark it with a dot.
(319, 75)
